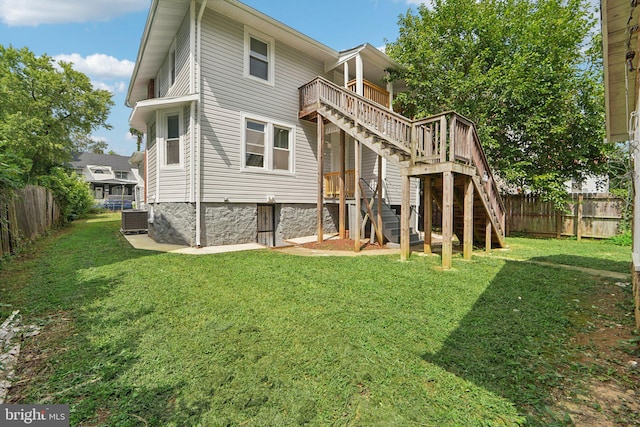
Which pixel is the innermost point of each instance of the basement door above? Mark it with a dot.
(266, 225)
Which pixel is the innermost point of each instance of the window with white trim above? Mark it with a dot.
(259, 56)
(267, 145)
(170, 132)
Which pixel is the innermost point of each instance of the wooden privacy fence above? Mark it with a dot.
(26, 215)
(587, 215)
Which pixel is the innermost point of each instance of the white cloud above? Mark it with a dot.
(99, 65)
(417, 2)
(36, 12)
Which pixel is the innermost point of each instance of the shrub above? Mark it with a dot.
(70, 191)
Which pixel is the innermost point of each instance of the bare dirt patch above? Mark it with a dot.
(341, 245)
(611, 396)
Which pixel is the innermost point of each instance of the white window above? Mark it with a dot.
(259, 56)
(172, 136)
(267, 145)
(281, 150)
(122, 175)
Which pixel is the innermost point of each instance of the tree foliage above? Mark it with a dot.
(44, 108)
(70, 190)
(523, 71)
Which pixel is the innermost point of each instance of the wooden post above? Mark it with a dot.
(380, 200)
(447, 219)
(427, 203)
(343, 197)
(320, 137)
(405, 217)
(558, 223)
(468, 218)
(579, 218)
(358, 196)
(487, 236)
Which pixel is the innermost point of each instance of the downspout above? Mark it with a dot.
(198, 141)
(192, 88)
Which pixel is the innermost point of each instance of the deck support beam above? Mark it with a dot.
(427, 204)
(447, 219)
(468, 218)
(357, 196)
(320, 148)
(343, 197)
(379, 201)
(487, 236)
(405, 215)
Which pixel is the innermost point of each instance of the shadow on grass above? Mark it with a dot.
(513, 340)
(586, 262)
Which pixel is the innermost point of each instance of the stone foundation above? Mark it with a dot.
(234, 223)
(228, 223)
(173, 223)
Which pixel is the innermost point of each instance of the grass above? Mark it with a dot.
(263, 338)
(596, 254)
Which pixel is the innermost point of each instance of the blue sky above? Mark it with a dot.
(101, 37)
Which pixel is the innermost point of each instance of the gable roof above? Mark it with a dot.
(165, 18)
(114, 161)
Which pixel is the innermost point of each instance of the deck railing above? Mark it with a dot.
(446, 137)
(371, 91)
(332, 184)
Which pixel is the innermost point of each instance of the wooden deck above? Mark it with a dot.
(445, 146)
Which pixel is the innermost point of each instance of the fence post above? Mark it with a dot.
(579, 218)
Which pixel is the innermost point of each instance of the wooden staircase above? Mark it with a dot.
(421, 148)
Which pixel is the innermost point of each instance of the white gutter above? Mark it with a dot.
(198, 141)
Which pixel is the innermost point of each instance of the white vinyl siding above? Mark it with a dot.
(177, 61)
(152, 156)
(174, 178)
(228, 93)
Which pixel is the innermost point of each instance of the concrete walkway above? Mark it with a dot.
(143, 241)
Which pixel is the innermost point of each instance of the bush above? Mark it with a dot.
(70, 191)
(624, 239)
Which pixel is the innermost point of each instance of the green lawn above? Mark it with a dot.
(263, 338)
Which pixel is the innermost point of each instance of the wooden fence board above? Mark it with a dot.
(600, 216)
(25, 216)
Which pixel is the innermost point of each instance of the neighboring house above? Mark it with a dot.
(110, 176)
(590, 184)
(620, 33)
(243, 144)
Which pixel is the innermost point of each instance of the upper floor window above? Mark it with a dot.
(259, 57)
(268, 145)
(122, 175)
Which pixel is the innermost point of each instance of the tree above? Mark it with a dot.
(519, 69)
(135, 132)
(87, 144)
(46, 108)
(70, 190)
